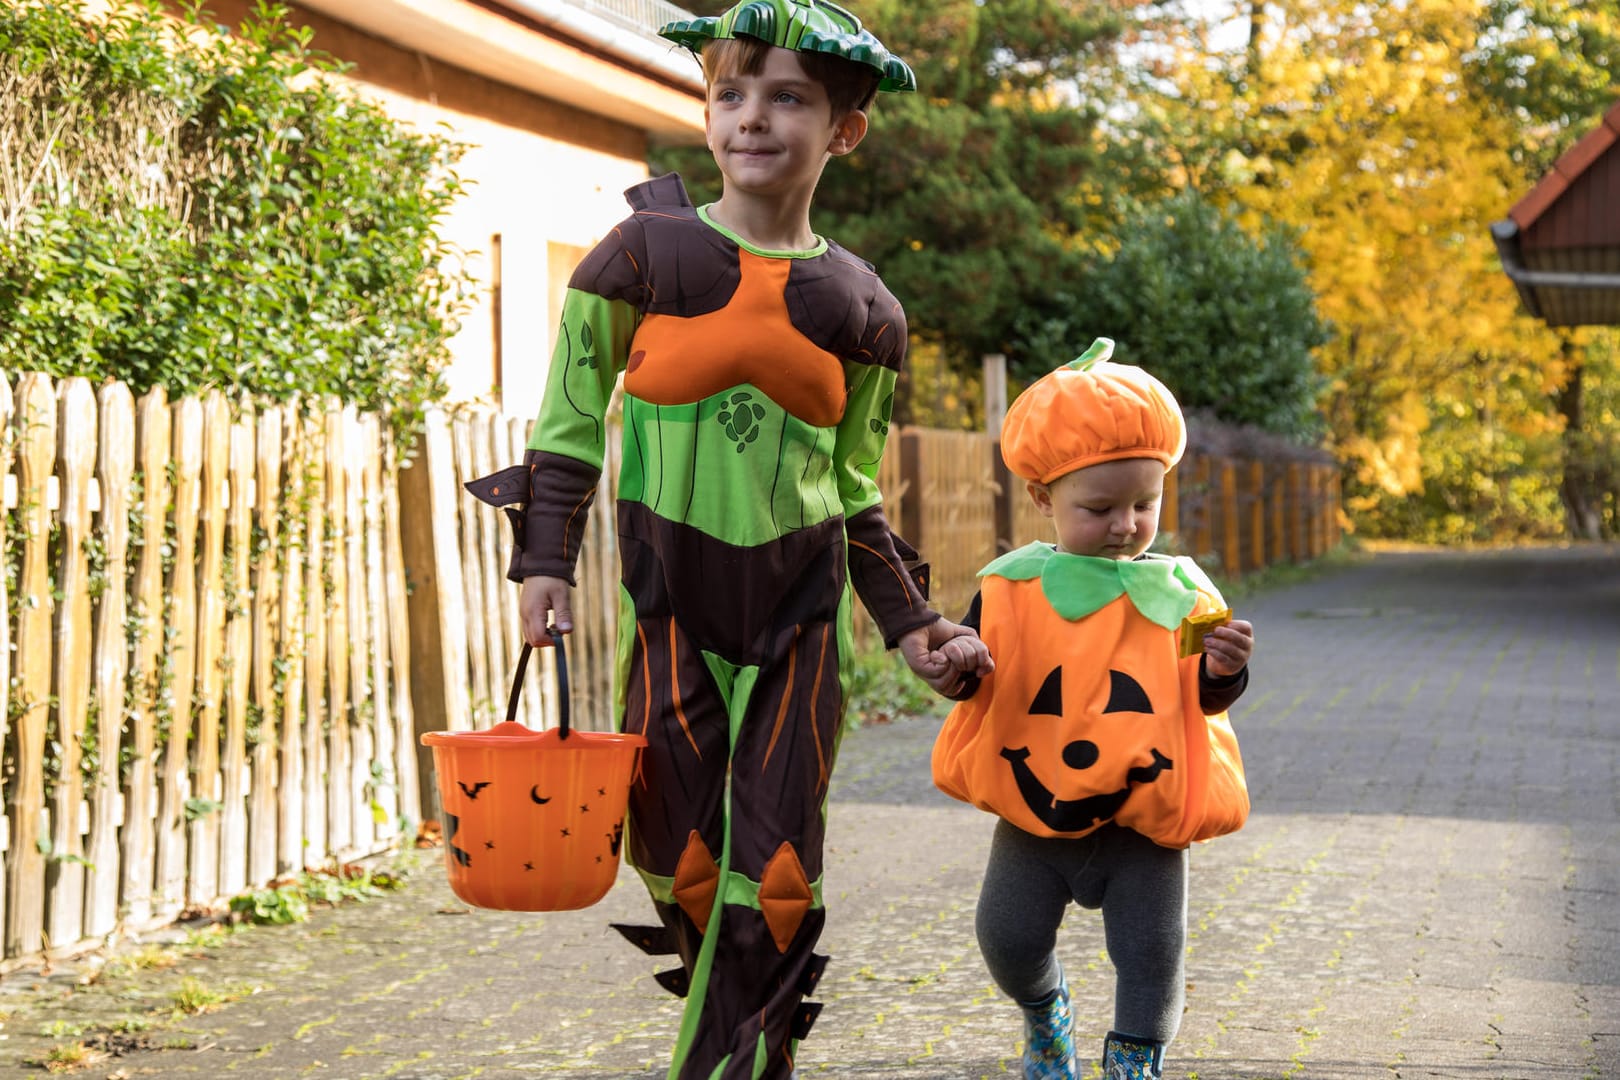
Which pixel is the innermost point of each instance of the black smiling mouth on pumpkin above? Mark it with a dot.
(1075, 815)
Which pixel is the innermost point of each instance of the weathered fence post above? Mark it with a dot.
(294, 647)
(181, 650)
(1298, 515)
(34, 425)
(437, 605)
(1231, 521)
(76, 463)
(334, 618)
(202, 879)
(1255, 494)
(314, 617)
(1002, 484)
(6, 448)
(1277, 503)
(407, 775)
(115, 467)
(238, 664)
(137, 844)
(264, 716)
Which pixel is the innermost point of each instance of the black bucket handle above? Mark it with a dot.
(562, 682)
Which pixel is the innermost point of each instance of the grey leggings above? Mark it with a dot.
(1142, 891)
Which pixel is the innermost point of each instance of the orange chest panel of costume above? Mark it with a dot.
(1089, 721)
(677, 360)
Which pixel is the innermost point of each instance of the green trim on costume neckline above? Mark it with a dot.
(1160, 587)
(819, 248)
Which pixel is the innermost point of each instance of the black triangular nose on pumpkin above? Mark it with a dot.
(1125, 694)
(1049, 698)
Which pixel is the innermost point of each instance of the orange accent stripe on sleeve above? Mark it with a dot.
(569, 527)
(787, 691)
(909, 601)
(815, 698)
(675, 692)
(646, 679)
(646, 704)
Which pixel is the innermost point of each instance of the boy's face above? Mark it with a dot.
(771, 132)
(1109, 511)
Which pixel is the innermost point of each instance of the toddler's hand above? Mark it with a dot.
(942, 652)
(1228, 648)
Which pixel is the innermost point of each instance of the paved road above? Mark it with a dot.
(1428, 887)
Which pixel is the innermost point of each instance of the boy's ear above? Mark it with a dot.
(1042, 496)
(847, 133)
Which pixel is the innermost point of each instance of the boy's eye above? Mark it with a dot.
(787, 98)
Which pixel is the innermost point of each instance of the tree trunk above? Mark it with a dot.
(1578, 488)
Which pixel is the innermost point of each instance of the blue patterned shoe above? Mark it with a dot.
(1128, 1058)
(1049, 1038)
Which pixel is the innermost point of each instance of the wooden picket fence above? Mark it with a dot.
(205, 659)
(226, 629)
(960, 507)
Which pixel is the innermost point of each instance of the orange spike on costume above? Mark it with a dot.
(697, 879)
(785, 895)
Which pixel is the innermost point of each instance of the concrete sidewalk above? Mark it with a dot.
(1428, 887)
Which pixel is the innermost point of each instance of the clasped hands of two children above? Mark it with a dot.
(941, 654)
(546, 601)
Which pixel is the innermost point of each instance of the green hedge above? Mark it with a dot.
(212, 209)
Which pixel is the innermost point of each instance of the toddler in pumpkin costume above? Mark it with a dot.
(1104, 751)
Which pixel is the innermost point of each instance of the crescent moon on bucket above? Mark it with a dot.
(534, 793)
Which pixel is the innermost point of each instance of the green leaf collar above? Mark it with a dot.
(1164, 590)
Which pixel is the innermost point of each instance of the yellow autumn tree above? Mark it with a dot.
(1355, 124)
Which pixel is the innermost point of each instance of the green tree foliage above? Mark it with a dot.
(1551, 66)
(199, 209)
(972, 196)
(1227, 321)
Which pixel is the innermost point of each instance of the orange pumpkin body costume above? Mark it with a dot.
(1094, 718)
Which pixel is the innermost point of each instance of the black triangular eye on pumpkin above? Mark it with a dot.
(1125, 694)
(1049, 698)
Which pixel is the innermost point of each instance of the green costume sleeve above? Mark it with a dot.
(877, 557)
(567, 448)
(592, 344)
(862, 435)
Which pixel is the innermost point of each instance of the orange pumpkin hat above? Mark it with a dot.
(1089, 411)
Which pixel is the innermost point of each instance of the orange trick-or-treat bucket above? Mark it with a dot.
(533, 820)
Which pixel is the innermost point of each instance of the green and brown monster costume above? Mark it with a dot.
(757, 392)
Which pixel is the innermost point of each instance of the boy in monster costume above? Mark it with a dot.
(759, 365)
(1101, 740)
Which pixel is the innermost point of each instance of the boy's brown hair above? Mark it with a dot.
(850, 86)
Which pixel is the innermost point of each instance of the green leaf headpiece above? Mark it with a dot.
(802, 26)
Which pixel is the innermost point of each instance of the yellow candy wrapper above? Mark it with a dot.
(1194, 627)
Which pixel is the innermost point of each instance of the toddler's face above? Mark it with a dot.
(1108, 511)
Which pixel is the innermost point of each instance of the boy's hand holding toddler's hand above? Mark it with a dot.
(1227, 648)
(942, 652)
